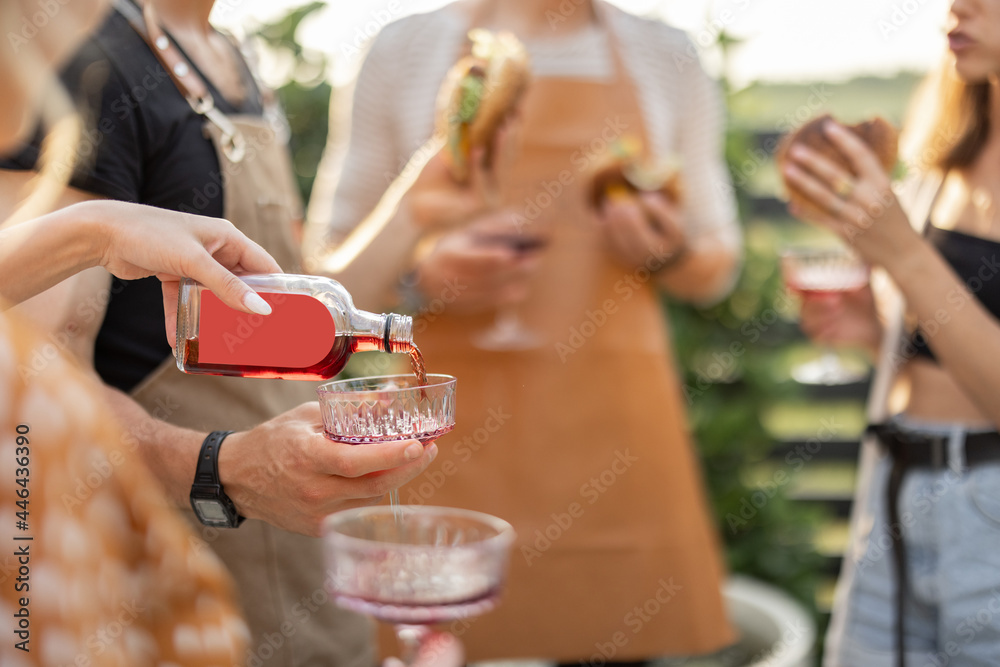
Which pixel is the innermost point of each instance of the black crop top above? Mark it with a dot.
(976, 262)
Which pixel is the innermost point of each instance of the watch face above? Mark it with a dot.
(210, 510)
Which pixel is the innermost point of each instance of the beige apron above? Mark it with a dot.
(279, 575)
(581, 444)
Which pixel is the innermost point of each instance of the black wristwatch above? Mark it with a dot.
(210, 503)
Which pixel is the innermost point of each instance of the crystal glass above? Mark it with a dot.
(386, 408)
(508, 332)
(819, 271)
(423, 566)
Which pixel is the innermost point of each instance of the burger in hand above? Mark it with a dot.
(877, 133)
(479, 93)
(624, 173)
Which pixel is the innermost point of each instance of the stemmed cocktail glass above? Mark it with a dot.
(819, 271)
(420, 566)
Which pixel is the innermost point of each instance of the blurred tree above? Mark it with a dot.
(304, 92)
(728, 354)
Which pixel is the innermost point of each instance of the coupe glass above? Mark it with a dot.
(508, 332)
(386, 408)
(423, 566)
(819, 271)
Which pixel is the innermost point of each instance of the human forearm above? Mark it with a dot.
(170, 452)
(702, 275)
(963, 335)
(41, 253)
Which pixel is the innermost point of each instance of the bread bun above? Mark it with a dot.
(877, 133)
(622, 174)
(496, 75)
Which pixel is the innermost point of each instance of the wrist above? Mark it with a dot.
(89, 221)
(209, 500)
(909, 259)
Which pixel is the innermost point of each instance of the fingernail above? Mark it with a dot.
(256, 303)
(797, 151)
(413, 451)
(432, 451)
(831, 126)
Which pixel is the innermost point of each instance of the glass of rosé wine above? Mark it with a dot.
(824, 271)
(422, 566)
(385, 408)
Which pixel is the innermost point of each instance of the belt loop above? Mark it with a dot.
(956, 448)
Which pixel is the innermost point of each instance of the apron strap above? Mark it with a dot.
(183, 74)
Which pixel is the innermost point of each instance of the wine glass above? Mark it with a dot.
(508, 332)
(824, 271)
(386, 408)
(423, 566)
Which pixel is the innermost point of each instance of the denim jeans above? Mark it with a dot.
(951, 530)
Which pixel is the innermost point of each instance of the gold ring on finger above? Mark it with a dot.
(844, 188)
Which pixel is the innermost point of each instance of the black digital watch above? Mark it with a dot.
(210, 503)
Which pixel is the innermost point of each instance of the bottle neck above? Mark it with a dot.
(388, 332)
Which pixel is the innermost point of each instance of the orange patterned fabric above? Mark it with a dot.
(110, 576)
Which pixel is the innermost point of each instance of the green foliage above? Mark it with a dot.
(305, 96)
(727, 355)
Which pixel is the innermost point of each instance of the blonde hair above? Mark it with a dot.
(948, 122)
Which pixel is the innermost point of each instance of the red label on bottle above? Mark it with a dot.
(297, 334)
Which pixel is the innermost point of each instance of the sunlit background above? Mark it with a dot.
(785, 40)
(785, 62)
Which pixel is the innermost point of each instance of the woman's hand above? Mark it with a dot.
(846, 319)
(437, 201)
(473, 269)
(642, 228)
(141, 241)
(859, 206)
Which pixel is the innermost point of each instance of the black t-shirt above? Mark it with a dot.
(143, 143)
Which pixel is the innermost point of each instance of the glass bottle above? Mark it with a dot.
(312, 331)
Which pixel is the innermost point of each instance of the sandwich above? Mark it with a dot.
(479, 93)
(877, 133)
(623, 173)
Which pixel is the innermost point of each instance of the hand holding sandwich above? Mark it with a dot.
(639, 205)
(838, 177)
(644, 229)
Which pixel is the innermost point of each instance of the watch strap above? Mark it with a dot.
(206, 477)
(207, 471)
